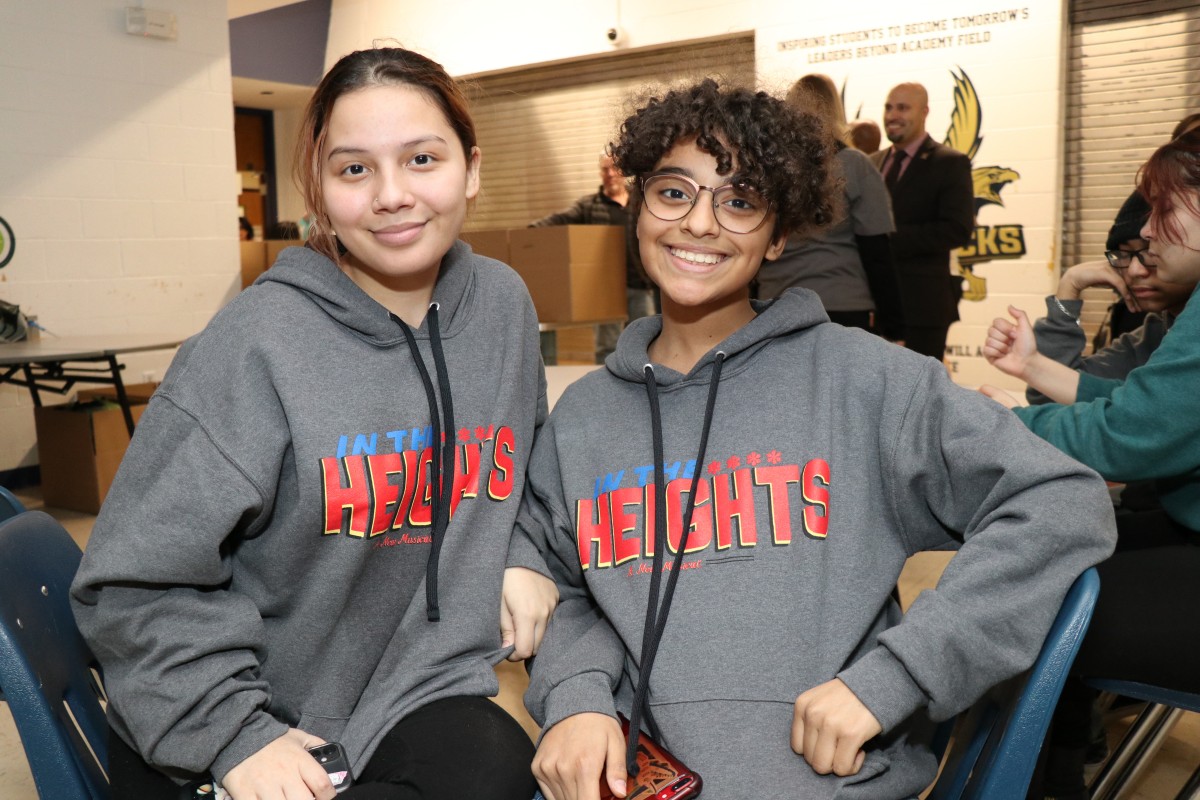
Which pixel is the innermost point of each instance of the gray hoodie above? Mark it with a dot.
(262, 559)
(832, 456)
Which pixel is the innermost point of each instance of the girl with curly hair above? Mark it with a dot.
(758, 476)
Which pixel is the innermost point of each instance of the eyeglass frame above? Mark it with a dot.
(1140, 255)
(692, 205)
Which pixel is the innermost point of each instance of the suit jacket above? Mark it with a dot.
(934, 207)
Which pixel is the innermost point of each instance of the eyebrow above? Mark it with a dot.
(338, 151)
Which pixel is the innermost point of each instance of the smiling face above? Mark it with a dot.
(1178, 261)
(699, 267)
(395, 183)
(904, 114)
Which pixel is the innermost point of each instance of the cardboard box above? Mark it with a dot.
(575, 273)
(136, 392)
(490, 243)
(254, 261)
(275, 245)
(80, 448)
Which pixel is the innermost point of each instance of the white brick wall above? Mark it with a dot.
(117, 176)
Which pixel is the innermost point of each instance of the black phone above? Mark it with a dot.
(332, 756)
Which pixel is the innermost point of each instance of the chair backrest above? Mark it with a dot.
(996, 741)
(46, 669)
(10, 506)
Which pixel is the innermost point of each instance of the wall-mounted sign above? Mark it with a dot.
(8, 243)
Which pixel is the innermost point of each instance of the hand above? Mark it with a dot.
(283, 770)
(572, 754)
(1011, 347)
(526, 602)
(1094, 273)
(999, 395)
(829, 728)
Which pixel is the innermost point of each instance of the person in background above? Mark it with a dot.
(849, 265)
(608, 207)
(933, 203)
(865, 136)
(1131, 271)
(310, 538)
(1140, 427)
(814, 459)
(245, 229)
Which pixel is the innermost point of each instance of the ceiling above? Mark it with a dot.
(252, 93)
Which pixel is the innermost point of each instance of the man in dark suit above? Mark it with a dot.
(933, 204)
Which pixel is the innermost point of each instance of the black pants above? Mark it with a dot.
(452, 749)
(1145, 629)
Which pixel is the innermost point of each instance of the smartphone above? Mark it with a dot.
(661, 776)
(332, 757)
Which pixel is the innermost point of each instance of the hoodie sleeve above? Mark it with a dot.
(180, 650)
(581, 658)
(1060, 338)
(1030, 520)
(522, 550)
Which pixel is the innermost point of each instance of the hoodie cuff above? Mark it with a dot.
(254, 736)
(884, 686)
(523, 553)
(577, 695)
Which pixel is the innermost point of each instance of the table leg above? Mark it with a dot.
(122, 398)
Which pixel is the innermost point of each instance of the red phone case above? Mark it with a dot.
(661, 776)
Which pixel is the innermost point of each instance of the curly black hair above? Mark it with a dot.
(786, 154)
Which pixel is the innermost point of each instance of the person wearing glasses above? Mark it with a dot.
(727, 506)
(1141, 427)
(1059, 339)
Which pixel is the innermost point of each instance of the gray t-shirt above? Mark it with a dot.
(829, 263)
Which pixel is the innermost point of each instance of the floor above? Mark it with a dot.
(1175, 762)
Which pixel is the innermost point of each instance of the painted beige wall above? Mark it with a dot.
(117, 177)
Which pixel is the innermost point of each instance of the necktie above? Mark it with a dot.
(893, 173)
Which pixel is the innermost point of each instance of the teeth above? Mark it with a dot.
(696, 258)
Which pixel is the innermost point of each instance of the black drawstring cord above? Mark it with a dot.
(445, 473)
(435, 480)
(656, 616)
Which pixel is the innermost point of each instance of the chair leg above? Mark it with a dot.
(1135, 751)
(1191, 789)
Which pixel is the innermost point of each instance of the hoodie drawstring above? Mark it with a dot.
(656, 615)
(443, 448)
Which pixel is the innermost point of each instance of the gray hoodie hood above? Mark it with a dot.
(795, 310)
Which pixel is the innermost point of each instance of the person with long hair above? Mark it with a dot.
(849, 264)
(1142, 427)
(728, 505)
(308, 538)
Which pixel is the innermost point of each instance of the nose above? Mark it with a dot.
(701, 220)
(1147, 232)
(1136, 268)
(391, 192)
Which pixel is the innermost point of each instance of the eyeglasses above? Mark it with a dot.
(738, 208)
(1120, 260)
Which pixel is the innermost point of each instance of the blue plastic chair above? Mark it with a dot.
(997, 741)
(10, 506)
(46, 670)
(1142, 740)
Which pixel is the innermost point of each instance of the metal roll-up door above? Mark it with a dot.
(1133, 73)
(542, 129)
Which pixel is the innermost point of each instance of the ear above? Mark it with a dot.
(473, 173)
(775, 248)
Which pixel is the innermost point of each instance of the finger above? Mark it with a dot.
(859, 760)
(812, 743)
(846, 755)
(1020, 316)
(798, 728)
(614, 764)
(507, 629)
(522, 638)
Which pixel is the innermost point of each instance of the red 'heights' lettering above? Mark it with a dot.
(610, 530)
(381, 493)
